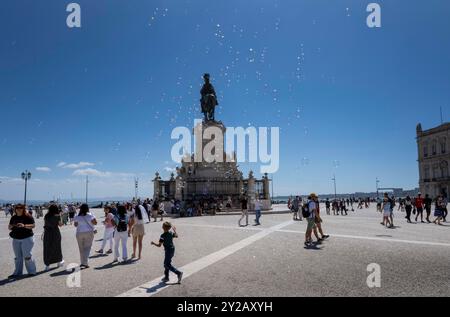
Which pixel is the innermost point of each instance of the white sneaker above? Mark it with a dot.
(47, 268)
(60, 264)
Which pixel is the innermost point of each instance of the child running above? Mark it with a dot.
(166, 239)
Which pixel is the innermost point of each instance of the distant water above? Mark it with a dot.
(91, 204)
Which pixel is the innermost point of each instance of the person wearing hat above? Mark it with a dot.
(311, 205)
(318, 222)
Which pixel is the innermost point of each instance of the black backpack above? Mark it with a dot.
(305, 211)
(122, 225)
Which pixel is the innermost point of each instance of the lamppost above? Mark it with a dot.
(377, 181)
(136, 188)
(334, 181)
(26, 176)
(273, 198)
(87, 188)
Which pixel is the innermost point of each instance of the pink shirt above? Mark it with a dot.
(108, 220)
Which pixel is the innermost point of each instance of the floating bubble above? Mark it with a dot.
(305, 161)
(336, 163)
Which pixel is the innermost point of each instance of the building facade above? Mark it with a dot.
(434, 159)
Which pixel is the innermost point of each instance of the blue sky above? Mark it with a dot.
(347, 97)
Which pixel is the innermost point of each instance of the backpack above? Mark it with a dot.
(305, 211)
(122, 225)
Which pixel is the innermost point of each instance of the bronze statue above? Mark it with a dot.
(209, 99)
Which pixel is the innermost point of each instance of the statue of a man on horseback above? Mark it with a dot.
(209, 99)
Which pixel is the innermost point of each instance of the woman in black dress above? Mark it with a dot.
(52, 238)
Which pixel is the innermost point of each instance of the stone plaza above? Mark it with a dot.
(221, 259)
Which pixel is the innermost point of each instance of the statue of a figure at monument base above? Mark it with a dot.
(209, 99)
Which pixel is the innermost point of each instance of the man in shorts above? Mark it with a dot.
(419, 207)
(310, 220)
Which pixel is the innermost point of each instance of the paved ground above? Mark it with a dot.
(221, 259)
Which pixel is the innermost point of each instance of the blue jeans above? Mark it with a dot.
(23, 251)
(258, 215)
(169, 253)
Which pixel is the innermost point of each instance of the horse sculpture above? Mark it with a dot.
(209, 106)
(209, 99)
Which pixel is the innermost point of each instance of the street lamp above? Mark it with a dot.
(87, 188)
(334, 181)
(26, 176)
(136, 188)
(377, 181)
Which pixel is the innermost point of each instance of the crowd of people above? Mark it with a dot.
(337, 206)
(414, 207)
(411, 206)
(121, 221)
(126, 220)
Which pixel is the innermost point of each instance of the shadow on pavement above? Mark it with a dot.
(62, 273)
(114, 264)
(15, 279)
(98, 256)
(313, 247)
(160, 285)
(12, 280)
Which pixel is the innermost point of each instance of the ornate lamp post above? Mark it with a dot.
(26, 176)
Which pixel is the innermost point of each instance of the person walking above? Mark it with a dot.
(427, 202)
(327, 206)
(72, 213)
(155, 210)
(166, 239)
(85, 223)
(295, 208)
(408, 208)
(439, 210)
(309, 213)
(391, 217)
(161, 210)
(109, 231)
(386, 208)
(445, 210)
(244, 203)
(65, 215)
(138, 230)
(121, 233)
(419, 207)
(52, 238)
(318, 221)
(257, 211)
(21, 227)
